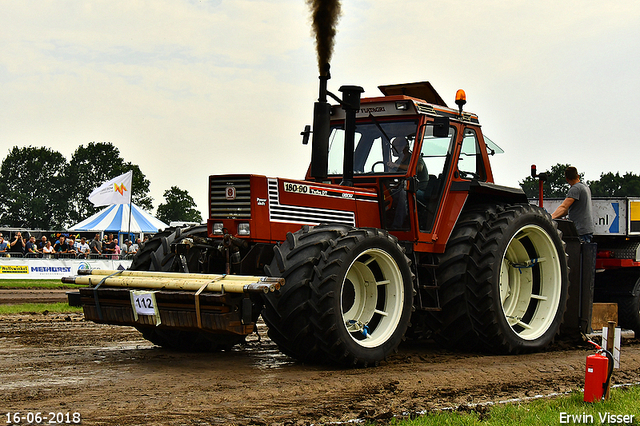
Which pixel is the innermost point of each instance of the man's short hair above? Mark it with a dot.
(571, 173)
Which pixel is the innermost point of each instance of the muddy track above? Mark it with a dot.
(27, 295)
(113, 377)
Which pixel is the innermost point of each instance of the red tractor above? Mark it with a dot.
(397, 230)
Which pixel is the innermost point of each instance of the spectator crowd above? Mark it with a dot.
(68, 247)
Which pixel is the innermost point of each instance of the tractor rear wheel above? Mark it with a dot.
(156, 255)
(504, 280)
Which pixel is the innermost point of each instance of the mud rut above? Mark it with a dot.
(113, 377)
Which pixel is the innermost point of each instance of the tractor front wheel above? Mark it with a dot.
(347, 297)
(363, 292)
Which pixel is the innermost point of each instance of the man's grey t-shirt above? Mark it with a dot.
(580, 210)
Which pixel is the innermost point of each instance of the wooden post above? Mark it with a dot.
(611, 332)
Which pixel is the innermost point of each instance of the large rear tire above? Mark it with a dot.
(156, 255)
(504, 280)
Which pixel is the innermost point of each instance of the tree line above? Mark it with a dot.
(609, 184)
(40, 189)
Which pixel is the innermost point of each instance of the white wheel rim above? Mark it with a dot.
(530, 282)
(372, 297)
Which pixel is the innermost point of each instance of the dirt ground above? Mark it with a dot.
(12, 296)
(111, 376)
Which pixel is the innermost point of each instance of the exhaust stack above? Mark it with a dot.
(321, 129)
(351, 105)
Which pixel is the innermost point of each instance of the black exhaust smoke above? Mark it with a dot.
(324, 17)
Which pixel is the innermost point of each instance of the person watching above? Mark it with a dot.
(71, 247)
(48, 250)
(110, 245)
(3, 246)
(61, 247)
(31, 247)
(18, 244)
(42, 243)
(129, 249)
(96, 246)
(84, 250)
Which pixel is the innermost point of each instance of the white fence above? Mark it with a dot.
(38, 269)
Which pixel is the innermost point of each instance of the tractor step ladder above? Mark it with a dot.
(429, 291)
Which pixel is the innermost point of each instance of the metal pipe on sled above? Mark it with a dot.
(219, 306)
(176, 281)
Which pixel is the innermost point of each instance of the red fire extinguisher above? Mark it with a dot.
(598, 374)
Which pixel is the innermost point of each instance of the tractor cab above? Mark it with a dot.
(420, 157)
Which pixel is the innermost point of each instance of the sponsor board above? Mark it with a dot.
(12, 268)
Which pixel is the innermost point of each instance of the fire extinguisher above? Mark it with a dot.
(597, 374)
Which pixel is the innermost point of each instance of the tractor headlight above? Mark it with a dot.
(217, 228)
(244, 229)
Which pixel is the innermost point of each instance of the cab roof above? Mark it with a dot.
(420, 90)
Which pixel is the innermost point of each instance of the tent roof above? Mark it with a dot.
(115, 218)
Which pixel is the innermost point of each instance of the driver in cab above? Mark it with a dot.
(400, 149)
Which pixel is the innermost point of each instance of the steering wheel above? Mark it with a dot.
(375, 164)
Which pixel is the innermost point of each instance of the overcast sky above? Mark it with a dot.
(191, 88)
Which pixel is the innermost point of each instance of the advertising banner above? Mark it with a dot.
(39, 269)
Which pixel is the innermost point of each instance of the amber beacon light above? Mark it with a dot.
(461, 99)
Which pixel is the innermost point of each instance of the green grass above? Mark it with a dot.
(38, 308)
(37, 284)
(623, 401)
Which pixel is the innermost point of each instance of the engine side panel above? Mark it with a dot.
(274, 206)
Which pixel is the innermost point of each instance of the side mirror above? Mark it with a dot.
(305, 134)
(441, 127)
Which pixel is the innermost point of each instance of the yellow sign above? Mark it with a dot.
(634, 210)
(5, 269)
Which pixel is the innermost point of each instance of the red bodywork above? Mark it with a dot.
(279, 206)
(606, 263)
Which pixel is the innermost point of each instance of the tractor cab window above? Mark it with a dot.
(435, 151)
(470, 164)
(435, 157)
(381, 147)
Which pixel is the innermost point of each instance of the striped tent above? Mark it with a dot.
(115, 218)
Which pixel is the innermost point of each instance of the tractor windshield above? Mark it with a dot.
(381, 147)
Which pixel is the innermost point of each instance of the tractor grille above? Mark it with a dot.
(222, 202)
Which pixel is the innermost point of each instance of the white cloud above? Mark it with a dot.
(188, 89)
